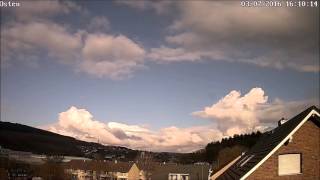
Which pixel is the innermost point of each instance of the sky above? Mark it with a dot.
(156, 75)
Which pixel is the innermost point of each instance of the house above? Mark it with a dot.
(290, 151)
(181, 172)
(18, 173)
(108, 170)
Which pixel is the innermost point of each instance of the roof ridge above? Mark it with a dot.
(270, 142)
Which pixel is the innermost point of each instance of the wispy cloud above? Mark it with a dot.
(99, 24)
(223, 30)
(159, 6)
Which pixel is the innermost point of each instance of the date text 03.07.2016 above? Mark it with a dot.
(291, 3)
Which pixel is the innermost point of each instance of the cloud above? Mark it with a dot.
(159, 6)
(236, 114)
(80, 123)
(33, 36)
(99, 23)
(34, 9)
(232, 114)
(172, 54)
(30, 40)
(285, 38)
(92, 51)
(111, 56)
(278, 109)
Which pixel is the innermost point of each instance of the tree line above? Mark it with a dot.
(220, 152)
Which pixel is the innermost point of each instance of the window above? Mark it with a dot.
(184, 177)
(175, 176)
(289, 164)
(245, 160)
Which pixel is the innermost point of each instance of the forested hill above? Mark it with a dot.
(25, 138)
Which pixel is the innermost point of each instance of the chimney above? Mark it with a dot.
(281, 121)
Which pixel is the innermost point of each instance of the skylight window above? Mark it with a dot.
(245, 160)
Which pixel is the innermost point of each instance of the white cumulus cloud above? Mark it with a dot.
(80, 123)
(32, 35)
(95, 53)
(232, 114)
(30, 40)
(236, 114)
(111, 56)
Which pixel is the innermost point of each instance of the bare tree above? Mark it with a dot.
(146, 164)
(53, 168)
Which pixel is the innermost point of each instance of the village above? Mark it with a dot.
(277, 154)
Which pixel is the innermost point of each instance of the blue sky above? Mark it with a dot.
(156, 66)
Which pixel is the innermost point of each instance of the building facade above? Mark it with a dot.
(302, 150)
(290, 151)
(102, 170)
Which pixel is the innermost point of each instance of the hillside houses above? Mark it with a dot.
(113, 170)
